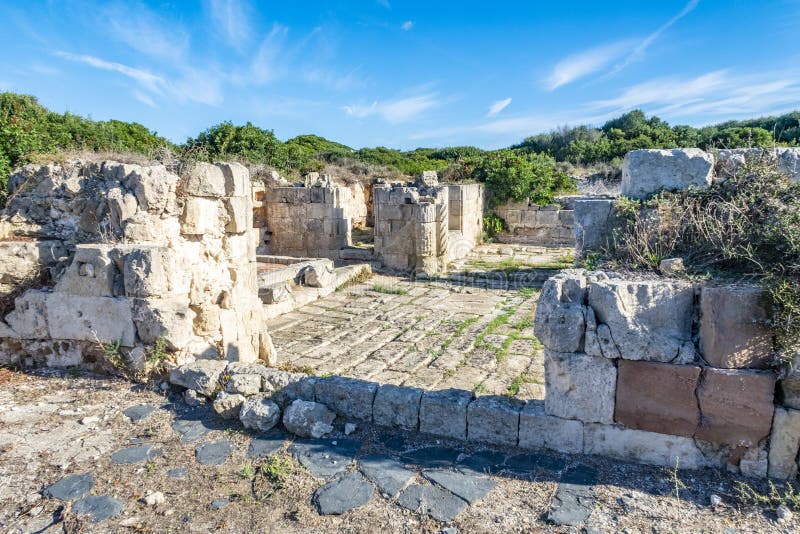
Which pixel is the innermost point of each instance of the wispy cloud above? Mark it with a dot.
(498, 106)
(144, 99)
(231, 20)
(639, 52)
(397, 110)
(265, 65)
(407, 25)
(148, 80)
(584, 63)
(195, 85)
(142, 30)
(336, 81)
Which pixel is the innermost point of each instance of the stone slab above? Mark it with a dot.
(736, 406)
(575, 498)
(483, 462)
(325, 458)
(784, 443)
(444, 413)
(386, 473)
(348, 397)
(525, 464)
(70, 487)
(439, 504)
(469, 487)
(657, 397)
(99, 507)
(267, 445)
(431, 457)
(139, 412)
(397, 406)
(538, 430)
(98, 319)
(214, 452)
(494, 419)
(190, 430)
(135, 455)
(201, 375)
(343, 494)
(579, 387)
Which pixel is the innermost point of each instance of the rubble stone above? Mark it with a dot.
(227, 405)
(201, 376)
(259, 413)
(348, 397)
(308, 419)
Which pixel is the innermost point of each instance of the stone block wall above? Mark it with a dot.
(136, 253)
(465, 218)
(660, 370)
(308, 221)
(412, 228)
(532, 224)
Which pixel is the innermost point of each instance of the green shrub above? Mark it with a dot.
(493, 225)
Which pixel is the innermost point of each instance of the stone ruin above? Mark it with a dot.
(117, 258)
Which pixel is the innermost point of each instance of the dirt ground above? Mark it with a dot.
(53, 424)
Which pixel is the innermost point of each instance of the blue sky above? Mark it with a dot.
(403, 73)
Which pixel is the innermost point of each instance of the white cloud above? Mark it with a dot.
(142, 30)
(584, 63)
(498, 106)
(395, 111)
(231, 20)
(641, 48)
(407, 25)
(195, 85)
(334, 80)
(144, 99)
(266, 65)
(666, 90)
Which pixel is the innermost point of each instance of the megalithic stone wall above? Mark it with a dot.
(131, 254)
(664, 371)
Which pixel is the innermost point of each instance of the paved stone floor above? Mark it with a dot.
(82, 453)
(468, 331)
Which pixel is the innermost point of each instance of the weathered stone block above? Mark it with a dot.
(645, 172)
(201, 376)
(28, 319)
(244, 384)
(593, 221)
(494, 419)
(397, 406)
(169, 318)
(260, 413)
(348, 397)
(579, 386)
(733, 327)
(201, 216)
(645, 447)
(92, 272)
(154, 188)
(145, 272)
(658, 397)
(444, 412)
(649, 319)
(98, 319)
(227, 405)
(784, 443)
(736, 406)
(560, 321)
(205, 180)
(240, 214)
(237, 179)
(538, 430)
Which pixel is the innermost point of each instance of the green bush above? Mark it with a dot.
(493, 225)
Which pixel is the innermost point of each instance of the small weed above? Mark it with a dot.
(516, 384)
(271, 476)
(150, 466)
(479, 389)
(360, 278)
(677, 483)
(527, 292)
(772, 499)
(379, 288)
(157, 354)
(247, 471)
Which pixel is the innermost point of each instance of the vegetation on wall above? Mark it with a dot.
(747, 227)
(537, 168)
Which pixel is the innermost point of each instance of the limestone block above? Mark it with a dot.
(754, 464)
(143, 228)
(260, 413)
(308, 419)
(238, 248)
(201, 216)
(205, 180)
(784, 443)
(645, 172)
(579, 386)
(201, 376)
(736, 406)
(237, 179)
(348, 397)
(170, 318)
(547, 218)
(22, 260)
(240, 214)
(397, 406)
(228, 405)
(593, 223)
(240, 340)
(538, 430)
(645, 447)
(154, 188)
(444, 413)
(657, 397)
(92, 272)
(244, 384)
(28, 319)
(428, 179)
(560, 321)
(122, 206)
(730, 161)
(145, 271)
(318, 275)
(649, 319)
(494, 419)
(98, 319)
(733, 327)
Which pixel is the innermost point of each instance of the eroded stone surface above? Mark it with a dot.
(444, 412)
(99, 507)
(784, 443)
(308, 419)
(386, 473)
(539, 430)
(580, 387)
(343, 494)
(494, 419)
(259, 412)
(325, 457)
(645, 172)
(469, 487)
(70, 487)
(440, 505)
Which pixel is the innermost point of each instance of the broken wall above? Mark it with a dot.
(465, 218)
(135, 254)
(532, 224)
